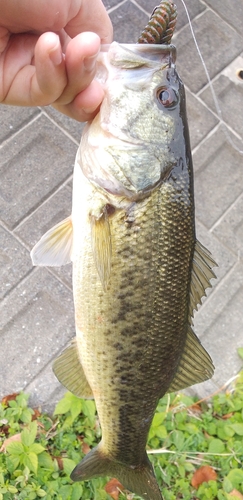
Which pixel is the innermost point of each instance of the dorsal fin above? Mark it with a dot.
(202, 273)
(195, 364)
(55, 246)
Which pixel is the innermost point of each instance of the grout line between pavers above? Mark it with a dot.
(49, 362)
(18, 283)
(218, 240)
(53, 193)
(20, 130)
(33, 270)
(187, 25)
(28, 248)
(37, 375)
(225, 213)
(112, 9)
(220, 17)
(216, 115)
(62, 129)
(207, 85)
(6, 228)
(209, 134)
(217, 286)
(59, 278)
(221, 124)
(140, 8)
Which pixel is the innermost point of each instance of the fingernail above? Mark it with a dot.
(56, 55)
(90, 62)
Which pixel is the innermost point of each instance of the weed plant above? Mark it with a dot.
(38, 452)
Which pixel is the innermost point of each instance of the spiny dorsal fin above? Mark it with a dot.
(195, 364)
(125, 58)
(68, 370)
(101, 246)
(201, 274)
(55, 246)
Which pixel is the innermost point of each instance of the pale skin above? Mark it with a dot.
(48, 50)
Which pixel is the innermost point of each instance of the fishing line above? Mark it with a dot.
(215, 99)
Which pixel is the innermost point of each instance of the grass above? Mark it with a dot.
(196, 448)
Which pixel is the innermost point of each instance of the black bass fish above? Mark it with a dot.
(138, 270)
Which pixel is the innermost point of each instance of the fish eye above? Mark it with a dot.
(167, 97)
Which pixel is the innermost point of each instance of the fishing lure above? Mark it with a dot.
(161, 25)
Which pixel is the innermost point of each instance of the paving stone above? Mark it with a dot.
(56, 208)
(203, 390)
(13, 118)
(110, 3)
(223, 256)
(69, 125)
(45, 390)
(200, 120)
(230, 228)
(15, 262)
(32, 168)
(230, 99)
(218, 42)
(218, 178)
(234, 69)
(219, 324)
(30, 204)
(230, 10)
(194, 8)
(128, 22)
(36, 321)
(147, 5)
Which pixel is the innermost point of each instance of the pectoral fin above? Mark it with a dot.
(101, 245)
(54, 248)
(69, 372)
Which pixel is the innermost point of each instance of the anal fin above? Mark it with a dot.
(69, 371)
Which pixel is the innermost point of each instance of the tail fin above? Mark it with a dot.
(139, 480)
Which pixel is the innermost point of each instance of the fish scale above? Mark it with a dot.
(136, 313)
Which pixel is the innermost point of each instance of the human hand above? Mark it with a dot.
(48, 51)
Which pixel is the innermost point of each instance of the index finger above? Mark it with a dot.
(74, 16)
(92, 16)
